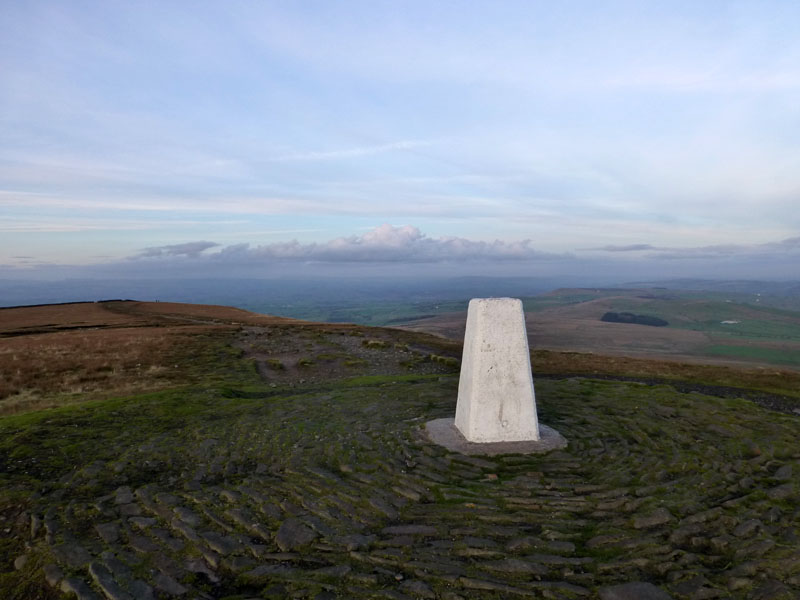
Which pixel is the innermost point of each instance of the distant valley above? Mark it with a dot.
(710, 327)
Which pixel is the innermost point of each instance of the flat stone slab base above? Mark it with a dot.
(444, 433)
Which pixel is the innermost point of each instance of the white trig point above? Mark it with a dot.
(496, 401)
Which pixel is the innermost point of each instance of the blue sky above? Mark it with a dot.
(485, 137)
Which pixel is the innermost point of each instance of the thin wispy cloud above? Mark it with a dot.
(351, 152)
(787, 247)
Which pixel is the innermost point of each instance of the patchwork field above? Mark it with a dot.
(286, 459)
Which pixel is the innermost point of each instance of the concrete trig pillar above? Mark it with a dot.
(496, 401)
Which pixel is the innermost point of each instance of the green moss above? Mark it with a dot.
(355, 362)
(379, 344)
(275, 364)
(448, 361)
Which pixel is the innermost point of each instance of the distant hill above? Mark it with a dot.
(702, 326)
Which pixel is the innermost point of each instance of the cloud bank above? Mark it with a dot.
(786, 247)
(190, 249)
(384, 244)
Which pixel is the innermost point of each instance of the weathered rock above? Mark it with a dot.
(698, 588)
(748, 528)
(141, 591)
(773, 590)
(73, 585)
(356, 541)
(781, 492)
(123, 495)
(514, 565)
(784, 473)
(167, 584)
(220, 543)
(417, 589)
(636, 590)
(187, 515)
(293, 534)
(660, 516)
(109, 532)
(142, 544)
(420, 530)
(196, 565)
(142, 522)
(102, 577)
(130, 510)
(72, 555)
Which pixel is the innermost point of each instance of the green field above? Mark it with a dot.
(768, 355)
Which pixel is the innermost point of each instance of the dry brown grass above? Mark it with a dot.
(42, 370)
(60, 354)
(86, 314)
(55, 355)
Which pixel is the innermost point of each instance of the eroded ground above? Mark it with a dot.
(313, 480)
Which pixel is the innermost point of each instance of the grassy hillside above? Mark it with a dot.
(285, 459)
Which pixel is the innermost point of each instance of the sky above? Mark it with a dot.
(258, 138)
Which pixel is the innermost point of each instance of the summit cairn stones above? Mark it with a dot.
(496, 401)
(496, 408)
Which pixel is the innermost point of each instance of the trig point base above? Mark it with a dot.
(496, 409)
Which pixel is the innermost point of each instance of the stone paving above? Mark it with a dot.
(337, 493)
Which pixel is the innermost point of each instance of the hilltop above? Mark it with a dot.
(204, 451)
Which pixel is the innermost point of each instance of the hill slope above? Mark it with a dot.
(291, 462)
